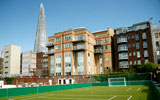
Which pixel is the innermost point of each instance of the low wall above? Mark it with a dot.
(33, 90)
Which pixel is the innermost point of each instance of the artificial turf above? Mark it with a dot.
(93, 93)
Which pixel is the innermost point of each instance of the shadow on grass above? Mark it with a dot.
(150, 93)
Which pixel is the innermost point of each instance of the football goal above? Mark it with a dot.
(120, 81)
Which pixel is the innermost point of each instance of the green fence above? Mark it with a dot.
(33, 90)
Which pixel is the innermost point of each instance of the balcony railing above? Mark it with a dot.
(45, 55)
(50, 44)
(98, 43)
(79, 39)
(50, 52)
(98, 51)
(82, 47)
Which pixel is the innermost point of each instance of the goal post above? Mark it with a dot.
(120, 81)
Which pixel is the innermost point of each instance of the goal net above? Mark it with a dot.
(121, 81)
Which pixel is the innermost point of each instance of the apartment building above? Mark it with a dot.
(103, 51)
(11, 60)
(75, 52)
(156, 43)
(133, 45)
(28, 63)
(1, 66)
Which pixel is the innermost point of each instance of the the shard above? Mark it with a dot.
(41, 35)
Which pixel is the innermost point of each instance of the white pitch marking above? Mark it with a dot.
(111, 98)
(129, 97)
(138, 89)
(128, 89)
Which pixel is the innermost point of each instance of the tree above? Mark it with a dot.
(147, 67)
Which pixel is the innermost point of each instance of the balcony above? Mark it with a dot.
(45, 55)
(78, 48)
(98, 51)
(50, 52)
(98, 43)
(81, 39)
(49, 44)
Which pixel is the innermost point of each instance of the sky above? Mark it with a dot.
(19, 18)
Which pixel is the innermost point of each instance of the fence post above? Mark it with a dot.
(7, 92)
(37, 89)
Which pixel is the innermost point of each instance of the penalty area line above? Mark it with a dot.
(129, 98)
(138, 89)
(128, 89)
(111, 98)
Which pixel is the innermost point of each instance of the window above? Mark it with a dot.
(129, 45)
(67, 37)
(158, 61)
(122, 47)
(68, 45)
(123, 56)
(158, 53)
(130, 54)
(123, 64)
(67, 63)
(105, 40)
(156, 35)
(137, 36)
(7, 52)
(135, 62)
(58, 74)
(51, 65)
(105, 47)
(133, 44)
(145, 53)
(146, 60)
(157, 44)
(144, 35)
(58, 64)
(80, 37)
(58, 47)
(122, 39)
(132, 36)
(88, 45)
(139, 62)
(134, 53)
(58, 38)
(138, 54)
(128, 36)
(130, 62)
(144, 44)
(137, 45)
(6, 56)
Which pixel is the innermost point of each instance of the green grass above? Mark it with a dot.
(92, 93)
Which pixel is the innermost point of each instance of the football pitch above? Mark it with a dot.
(92, 93)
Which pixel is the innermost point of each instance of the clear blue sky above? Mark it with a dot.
(19, 18)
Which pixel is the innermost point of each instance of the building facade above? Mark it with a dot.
(156, 43)
(12, 55)
(41, 35)
(133, 45)
(76, 52)
(28, 63)
(103, 51)
(1, 66)
(42, 64)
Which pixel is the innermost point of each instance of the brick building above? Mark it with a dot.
(133, 45)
